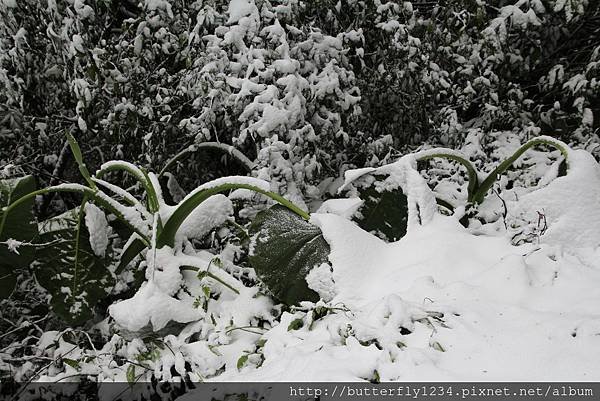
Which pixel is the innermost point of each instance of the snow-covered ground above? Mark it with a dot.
(477, 308)
(442, 303)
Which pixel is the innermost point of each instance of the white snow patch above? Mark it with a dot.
(98, 228)
(320, 279)
(570, 204)
(151, 305)
(211, 213)
(345, 207)
(239, 9)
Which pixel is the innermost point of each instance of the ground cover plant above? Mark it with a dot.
(255, 190)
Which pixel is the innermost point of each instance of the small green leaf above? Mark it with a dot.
(217, 262)
(130, 374)
(383, 212)
(18, 225)
(206, 291)
(295, 324)
(376, 378)
(242, 361)
(71, 362)
(284, 249)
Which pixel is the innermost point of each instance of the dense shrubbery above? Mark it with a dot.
(297, 86)
(306, 90)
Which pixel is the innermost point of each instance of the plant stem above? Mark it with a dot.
(471, 171)
(207, 273)
(75, 188)
(79, 159)
(493, 176)
(171, 227)
(232, 151)
(245, 328)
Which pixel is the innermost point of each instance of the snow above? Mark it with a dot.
(13, 245)
(211, 213)
(239, 9)
(151, 305)
(135, 170)
(233, 180)
(342, 207)
(320, 279)
(98, 229)
(569, 204)
(491, 299)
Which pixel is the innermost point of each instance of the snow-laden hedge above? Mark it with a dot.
(297, 86)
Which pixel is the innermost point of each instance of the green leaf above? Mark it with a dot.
(68, 268)
(71, 362)
(295, 324)
(79, 159)
(383, 212)
(130, 374)
(285, 248)
(242, 361)
(186, 207)
(18, 225)
(133, 250)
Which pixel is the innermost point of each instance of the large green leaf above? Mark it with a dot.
(18, 225)
(384, 211)
(68, 268)
(285, 248)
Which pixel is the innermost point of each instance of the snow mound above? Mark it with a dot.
(570, 204)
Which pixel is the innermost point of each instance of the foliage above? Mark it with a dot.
(384, 212)
(69, 264)
(292, 93)
(284, 249)
(73, 265)
(17, 231)
(322, 80)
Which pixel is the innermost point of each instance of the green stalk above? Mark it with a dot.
(153, 204)
(79, 159)
(471, 171)
(171, 227)
(150, 191)
(76, 188)
(208, 274)
(493, 176)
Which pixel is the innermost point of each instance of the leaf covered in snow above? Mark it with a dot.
(384, 211)
(69, 269)
(284, 249)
